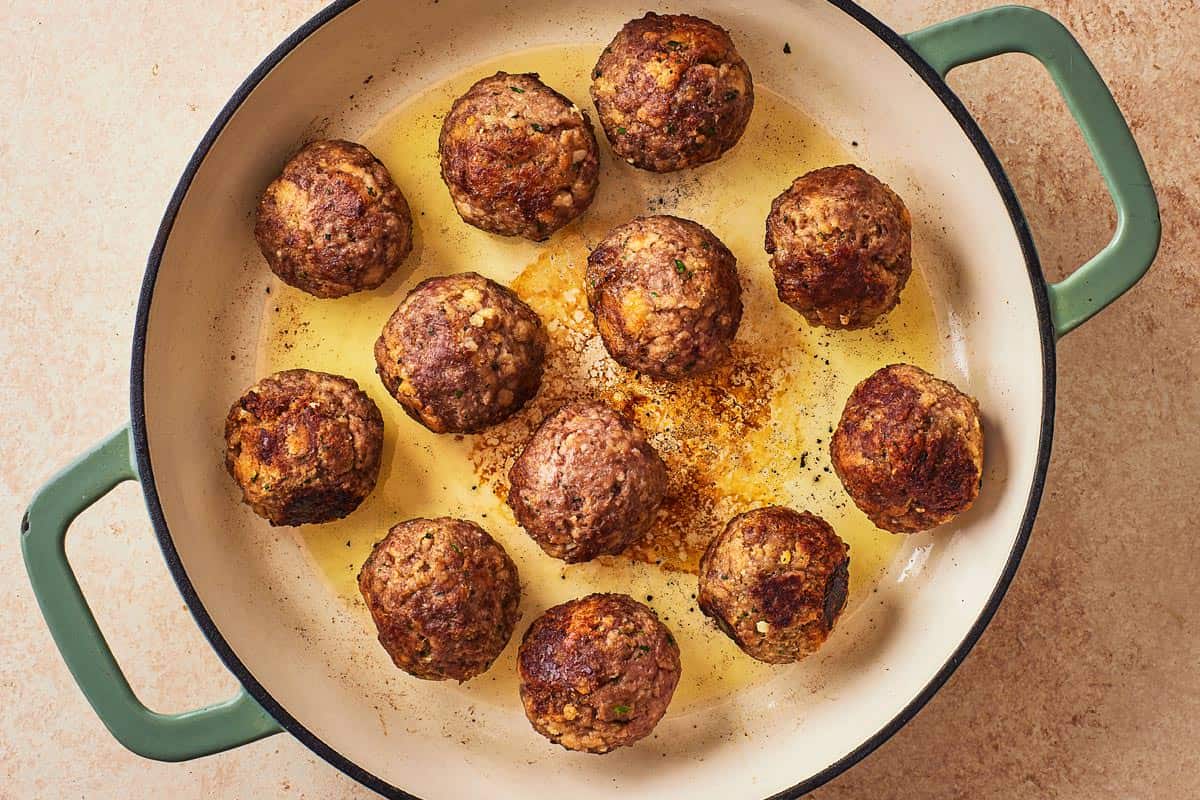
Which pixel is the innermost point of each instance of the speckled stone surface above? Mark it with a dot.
(1087, 683)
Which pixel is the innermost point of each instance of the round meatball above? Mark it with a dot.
(304, 446)
(597, 673)
(333, 222)
(909, 449)
(518, 157)
(587, 483)
(461, 353)
(672, 92)
(775, 581)
(666, 296)
(841, 247)
(444, 596)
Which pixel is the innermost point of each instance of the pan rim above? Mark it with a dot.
(297, 729)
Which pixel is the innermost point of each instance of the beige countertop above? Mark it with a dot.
(1086, 684)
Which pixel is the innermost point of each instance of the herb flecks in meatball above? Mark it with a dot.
(587, 483)
(665, 295)
(672, 92)
(775, 581)
(461, 353)
(909, 449)
(597, 673)
(304, 446)
(333, 222)
(444, 596)
(518, 158)
(841, 247)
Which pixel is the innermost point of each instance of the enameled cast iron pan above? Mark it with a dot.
(306, 665)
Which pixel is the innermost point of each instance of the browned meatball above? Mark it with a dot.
(597, 673)
(461, 352)
(666, 296)
(518, 157)
(444, 596)
(304, 446)
(587, 483)
(841, 247)
(333, 222)
(775, 581)
(909, 449)
(672, 92)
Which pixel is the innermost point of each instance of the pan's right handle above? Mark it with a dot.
(164, 737)
(1017, 29)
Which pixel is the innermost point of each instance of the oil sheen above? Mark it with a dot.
(755, 432)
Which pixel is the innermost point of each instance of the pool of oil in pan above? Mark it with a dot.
(754, 433)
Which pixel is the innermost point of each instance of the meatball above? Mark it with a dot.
(775, 581)
(461, 352)
(666, 296)
(909, 449)
(444, 596)
(597, 673)
(672, 92)
(587, 483)
(304, 446)
(841, 247)
(518, 158)
(333, 222)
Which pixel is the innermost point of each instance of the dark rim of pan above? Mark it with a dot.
(141, 446)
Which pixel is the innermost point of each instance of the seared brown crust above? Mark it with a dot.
(587, 483)
(775, 581)
(666, 296)
(909, 449)
(444, 596)
(461, 352)
(672, 92)
(597, 673)
(304, 446)
(333, 222)
(518, 158)
(841, 247)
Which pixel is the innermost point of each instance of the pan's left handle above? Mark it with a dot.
(164, 737)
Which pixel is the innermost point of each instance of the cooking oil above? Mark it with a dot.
(753, 433)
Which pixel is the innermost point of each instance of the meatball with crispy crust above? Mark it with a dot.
(518, 158)
(909, 449)
(304, 446)
(665, 295)
(597, 673)
(333, 222)
(775, 581)
(587, 483)
(841, 247)
(461, 353)
(672, 92)
(444, 596)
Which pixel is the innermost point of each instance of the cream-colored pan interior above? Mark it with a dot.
(283, 600)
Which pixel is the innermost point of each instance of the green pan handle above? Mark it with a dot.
(165, 737)
(1016, 29)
